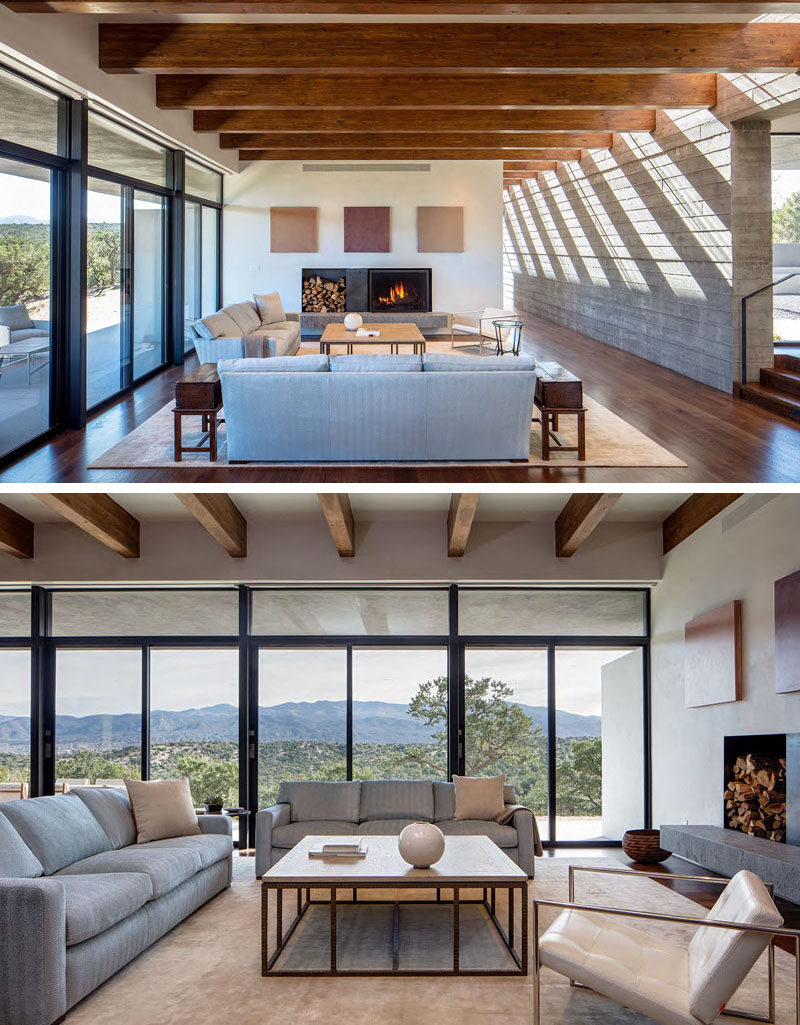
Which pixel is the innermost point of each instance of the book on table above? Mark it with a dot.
(364, 332)
(339, 849)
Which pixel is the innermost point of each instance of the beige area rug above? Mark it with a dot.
(610, 441)
(207, 972)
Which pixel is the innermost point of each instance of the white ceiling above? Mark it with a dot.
(517, 507)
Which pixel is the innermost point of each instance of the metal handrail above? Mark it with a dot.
(758, 291)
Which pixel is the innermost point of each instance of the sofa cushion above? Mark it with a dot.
(286, 837)
(165, 868)
(29, 334)
(383, 827)
(17, 860)
(376, 363)
(397, 799)
(15, 317)
(278, 364)
(59, 830)
(95, 903)
(455, 362)
(503, 836)
(322, 802)
(444, 801)
(112, 809)
(270, 308)
(162, 808)
(210, 847)
(217, 325)
(244, 315)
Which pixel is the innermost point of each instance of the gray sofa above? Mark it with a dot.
(237, 331)
(440, 406)
(79, 898)
(381, 808)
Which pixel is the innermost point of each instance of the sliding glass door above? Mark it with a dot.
(107, 297)
(149, 259)
(201, 264)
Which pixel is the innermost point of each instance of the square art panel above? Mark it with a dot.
(713, 656)
(293, 229)
(787, 633)
(440, 229)
(367, 229)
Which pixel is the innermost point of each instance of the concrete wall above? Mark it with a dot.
(621, 736)
(469, 280)
(728, 558)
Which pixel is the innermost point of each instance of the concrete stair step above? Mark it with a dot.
(781, 380)
(775, 401)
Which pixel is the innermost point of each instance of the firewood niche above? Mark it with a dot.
(755, 786)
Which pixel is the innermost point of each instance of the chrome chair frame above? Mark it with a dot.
(794, 934)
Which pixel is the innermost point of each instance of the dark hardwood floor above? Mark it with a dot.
(721, 438)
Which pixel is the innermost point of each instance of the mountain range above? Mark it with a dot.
(373, 722)
(22, 219)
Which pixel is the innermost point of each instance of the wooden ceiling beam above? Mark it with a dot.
(418, 91)
(339, 516)
(417, 140)
(217, 512)
(578, 520)
(407, 154)
(531, 166)
(690, 516)
(680, 10)
(101, 518)
(430, 120)
(465, 46)
(16, 534)
(460, 518)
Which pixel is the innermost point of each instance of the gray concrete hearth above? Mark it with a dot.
(727, 851)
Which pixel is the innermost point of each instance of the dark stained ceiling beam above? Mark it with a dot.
(463, 46)
(217, 512)
(531, 166)
(428, 120)
(680, 10)
(429, 153)
(417, 140)
(339, 516)
(16, 534)
(417, 91)
(460, 518)
(101, 518)
(691, 515)
(578, 520)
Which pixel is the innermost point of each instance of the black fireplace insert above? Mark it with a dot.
(397, 290)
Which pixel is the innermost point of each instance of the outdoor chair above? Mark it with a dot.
(13, 791)
(63, 786)
(691, 984)
(118, 783)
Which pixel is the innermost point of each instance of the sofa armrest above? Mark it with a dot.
(267, 820)
(528, 844)
(293, 316)
(33, 952)
(43, 325)
(220, 824)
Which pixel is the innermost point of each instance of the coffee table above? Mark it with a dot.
(393, 335)
(468, 863)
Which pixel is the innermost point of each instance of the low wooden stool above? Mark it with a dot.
(199, 393)
(559, 393)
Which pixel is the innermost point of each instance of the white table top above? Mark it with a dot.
(466, 859)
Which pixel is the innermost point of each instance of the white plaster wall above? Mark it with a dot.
(403, 551)
(66, 46)
(621, 731)
(461, 281)
(712, 567)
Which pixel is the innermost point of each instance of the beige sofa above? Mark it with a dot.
(237, 332)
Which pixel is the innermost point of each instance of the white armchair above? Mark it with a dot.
(675, 985)
(478, 325)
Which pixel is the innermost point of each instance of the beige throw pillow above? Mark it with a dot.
(270, 307)
(162, 809)
(478, 797)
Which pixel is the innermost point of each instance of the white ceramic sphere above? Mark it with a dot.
(421, 844)
(353, 321)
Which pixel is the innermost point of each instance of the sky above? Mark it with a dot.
(92, 682)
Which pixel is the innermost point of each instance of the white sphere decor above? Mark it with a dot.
(353, 321)
(421, 844)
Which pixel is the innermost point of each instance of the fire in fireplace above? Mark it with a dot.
(396, 290)
(755, 785)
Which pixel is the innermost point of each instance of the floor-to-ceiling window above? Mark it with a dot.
(786, 240)
(31, 170)
(15, 694)
(202, 213)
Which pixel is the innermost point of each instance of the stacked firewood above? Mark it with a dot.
(755, 798)
(323, 296)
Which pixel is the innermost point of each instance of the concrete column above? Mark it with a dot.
(751, 239)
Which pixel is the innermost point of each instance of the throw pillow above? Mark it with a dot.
(270, 307)
(15, 318)
(162, 809)
(218, 325)
(478, 797)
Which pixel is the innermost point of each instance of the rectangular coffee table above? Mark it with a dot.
(468, 863)
(393, 335)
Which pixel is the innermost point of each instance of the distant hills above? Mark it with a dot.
(373, 722)
(23, 219)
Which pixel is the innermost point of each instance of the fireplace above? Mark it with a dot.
(395, 290)
(755, 779)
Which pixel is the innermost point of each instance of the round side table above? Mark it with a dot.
(513, 336)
